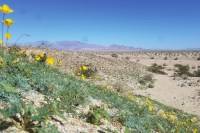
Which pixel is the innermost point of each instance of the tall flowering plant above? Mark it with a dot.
(8, 22)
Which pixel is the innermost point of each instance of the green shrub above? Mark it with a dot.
(147, 80)
(96, 114)
(115, 55)
(86, 71)
(196, 73)
(176, 58)
(155, 68)
(182, 70)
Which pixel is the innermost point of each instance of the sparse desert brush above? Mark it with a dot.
(85, 71)
(96, 114)
(198, 58)
(127, 58)
(196, 73)
(165, 58)
(182, 70)
(193, 67)
(152, 58)
(176, 58)
(164, 64)
(155, 68)
(147, 80)
(115, 55)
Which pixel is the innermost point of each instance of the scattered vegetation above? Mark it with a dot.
(198, 58)
(152, 58)
(86, 71)
(127, 58)
(176, 58)
(147, 80)
(96, 114)
(196, 73)
(155, 68)
(181, 70)
(114, 55)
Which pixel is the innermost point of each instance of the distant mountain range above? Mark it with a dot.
(82, 46)
(79, 46)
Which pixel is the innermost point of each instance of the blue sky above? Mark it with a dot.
(140, 23)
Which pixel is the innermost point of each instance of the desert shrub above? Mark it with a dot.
(193, 67)
(196, 73)
(127, 58)
(14, 49)
(96, 114)
(152, 58)
(176, 58)
(115, 55)
(165, 58)
(86, 71)
(155, 68)
(198, 58)
(164, 64)
(147, 80)
(182, 70)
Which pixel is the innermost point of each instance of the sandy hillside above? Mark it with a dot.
(122, 73)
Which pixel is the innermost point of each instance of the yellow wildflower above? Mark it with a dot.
(131, 97)
(8, 22)
(172, 118)
(37, 58)
(41, 55)
(8, 36)
(162, 114)
(195, 130)
(151, 108)
(1, 62)
(16, 61)
(149, 105)
(83, 77)
(6, 9)
(50, 60)
(194, 119)
(83, 68)
(1, 42)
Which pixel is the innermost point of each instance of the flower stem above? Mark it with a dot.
(7, 38)
(3, 29)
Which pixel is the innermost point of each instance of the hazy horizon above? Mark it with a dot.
(170, 24)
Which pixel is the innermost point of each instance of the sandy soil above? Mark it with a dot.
(169, 93)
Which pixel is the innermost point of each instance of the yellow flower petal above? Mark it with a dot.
(195, 130)
(50, 60)
(8, 36)
(6, 9)
(1, 42)
(194, 119)
(84, 68)
(83, 77)
(8, 22)
(37, 58)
